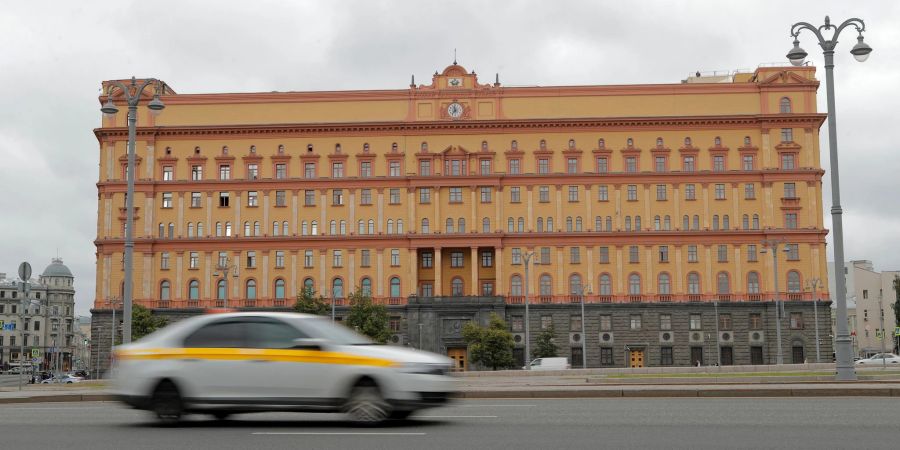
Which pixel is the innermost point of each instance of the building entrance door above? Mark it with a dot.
(637, 358)
(696, 356)
(458, 355)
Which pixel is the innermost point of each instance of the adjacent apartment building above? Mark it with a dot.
(456, 198)
(871, 300)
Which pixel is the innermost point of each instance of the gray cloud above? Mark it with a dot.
(55, 54)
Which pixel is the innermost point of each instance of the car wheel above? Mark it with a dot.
(166, 403)
(366, 405)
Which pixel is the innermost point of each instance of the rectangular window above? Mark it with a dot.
(487, 259)
(663, 253)
(747, 161)
(573, 194)
(195, 200)
(280, 198)
(749, 191)
(544, 194)
(755, 321)
(692, 253)
(546, 322)
(167, 200)
(485, 194)
(606, 322)
(606, 356)
(395, 257)
(793, 252)
(309, 197)
(723, 253)
(602, 164)
(688, 164)
(455, 195)
(720, 192)
(751, 253)
(517, 323)
(516, 256)
(365, 169)
(515, 166)
(572, 165)
(690, 192)
(545, 255)
(632, 193)
(725, 322)
(634, 254)
(575, 322)
(695, 322)
(365, 258)
(718, 163)
(279, 259)
(252, 198)
(456, 259)
(394, 168)
(427, 290)
(485, 167)
(251, 259)
(515, 195)
(394, 196)
(223, 199)
(787, 135)
(168, 173)
(661, 192)
(280, 171)
(790, 190)
(424, 168)
(635, 322)
(631, 164)
(424, 195)
(309, 170)
(337, 197)
(665, 322)
(224, 171)
(252, 171)
(796, 320)
(365, 196)
(164, 260)
(427, 260)
(603, 193)
(575, 255)
(790, 220)
(337, 259)
(665, 356)
(543, 166)
(196, 173)
(337, 170)
(456, 167)
(660, 163)
(604, 255)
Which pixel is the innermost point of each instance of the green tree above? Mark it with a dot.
(309, 303)
(367, 317)
(545, 347)
(491, 346)
(143, 322)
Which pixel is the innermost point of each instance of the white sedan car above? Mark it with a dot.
(222, 364)
(879, 359)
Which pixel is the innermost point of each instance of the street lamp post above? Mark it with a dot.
(581, 290)
(527, 256)
(771, 245)
(132, 94)
(814, 285)
(113, 302)
(860, 51)
(225, 266)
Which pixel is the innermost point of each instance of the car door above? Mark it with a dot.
(211, 367)
(283, 371)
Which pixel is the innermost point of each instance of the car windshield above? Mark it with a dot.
(337, 334)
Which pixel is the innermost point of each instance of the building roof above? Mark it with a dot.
(57, 269)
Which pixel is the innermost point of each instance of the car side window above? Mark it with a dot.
(228, 334)
(272, 334)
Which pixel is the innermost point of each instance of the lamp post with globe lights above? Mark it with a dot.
(132, 95)
(860, 51)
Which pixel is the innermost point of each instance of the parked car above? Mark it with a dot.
(222, 364)
(549, 364)
(879, 359)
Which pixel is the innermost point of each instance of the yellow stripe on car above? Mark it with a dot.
(250, 354)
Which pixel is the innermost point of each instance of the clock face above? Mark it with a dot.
(455, 110)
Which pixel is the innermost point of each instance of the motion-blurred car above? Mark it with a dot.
(879, 359)
(65, 379)
(222, 364)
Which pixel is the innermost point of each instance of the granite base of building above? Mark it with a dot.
(615, 335)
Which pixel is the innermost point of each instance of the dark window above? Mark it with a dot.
(218, 335)
(577, 358)
(271, 334)
(797, 355)
(727, 356)
(696, 356)
(606, 356)
(756, 355)
(665, 356)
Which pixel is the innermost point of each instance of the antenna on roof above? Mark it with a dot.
(454, 56)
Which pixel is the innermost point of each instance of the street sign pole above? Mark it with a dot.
(24, 275)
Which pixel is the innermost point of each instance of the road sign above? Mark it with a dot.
(35, 360)
(9, 326)
(35, 353)
(25, 271)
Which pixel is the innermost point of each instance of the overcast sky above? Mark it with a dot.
(54, 55)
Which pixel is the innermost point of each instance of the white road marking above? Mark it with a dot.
(457, 417)
(491, 406)
(336, 433)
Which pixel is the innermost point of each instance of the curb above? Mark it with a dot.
(64, 398)
(669, 393)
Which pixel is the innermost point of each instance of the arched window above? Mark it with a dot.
(637, 223)
(726, 223)
(570, 224)
(425, 226)
(218, 229)
(337, 288)
(162, 230)
(686, 222)
(634, 284)
(629, 142)
(687, 142)
(486, 225)
(546, 285)
(598, 223)
(399, 226)
(514, 145)
(390, 226)
(194, 290)
(608, 223)
(550, 224)
(667, 223)
(247, 229)
(601, 143)
(756, 221)
(276, 228)
(171, 230)
(515, 286)
(659, 142)
(520, 225)
(784, 106)
(448, 226)
(627, 223)
(605, 285)
(366, 286)
(745, 222)
(395, 287)
(256, 229)
(199, 229)
(715, 222)
(220, 289)
(332, 227)
(575, 284)
(164, 290)
(657, 223)
(284, 229)
(540, 224)
(793, 282)
(361, 227)
(578, 224)
(543, 144)
(304, 228)
(461, 227)
(309, 285)
(717, 141)
(314, 227)
(753, 283)
(343, 227)
(456, 286)
(723, 285)
(251, 290)
(371, 225)
(747, 141)
(190, 229)
(510, 225)
(696, 222)
(571, 143)
(279, 289)
(664, 287)
(693, 283)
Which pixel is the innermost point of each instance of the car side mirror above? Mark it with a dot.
(308, 344)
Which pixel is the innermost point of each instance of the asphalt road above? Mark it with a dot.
(666, 423)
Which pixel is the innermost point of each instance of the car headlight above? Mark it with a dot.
(425, 368)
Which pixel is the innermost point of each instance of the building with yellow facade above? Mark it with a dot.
(651, 203)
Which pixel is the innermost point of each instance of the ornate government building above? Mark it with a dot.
(450, 200)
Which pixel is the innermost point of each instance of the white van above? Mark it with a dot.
(549, 364)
